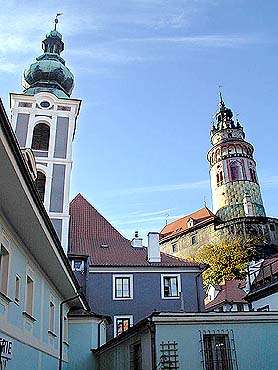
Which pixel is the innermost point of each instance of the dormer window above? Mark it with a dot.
(77, 265)
(190, 223)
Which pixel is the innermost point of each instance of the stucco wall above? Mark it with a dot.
(146, 295)
(255, 343)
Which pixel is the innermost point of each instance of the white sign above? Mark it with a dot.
(7, 348)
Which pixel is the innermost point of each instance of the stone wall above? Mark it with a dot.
(187, 244)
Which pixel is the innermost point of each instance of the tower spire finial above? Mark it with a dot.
(56, 20)
(221, 101)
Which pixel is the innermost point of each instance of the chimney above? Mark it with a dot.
(153, 247)
(137, 242)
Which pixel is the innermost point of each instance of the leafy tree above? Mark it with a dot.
(228, 259)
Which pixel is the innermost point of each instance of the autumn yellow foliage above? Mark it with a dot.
(227, 259)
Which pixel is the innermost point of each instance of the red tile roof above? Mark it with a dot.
(268, 269)
(89, 230)
(231, 292)
(180, 226)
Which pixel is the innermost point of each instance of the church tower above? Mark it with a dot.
(44, 119)
(234, 181)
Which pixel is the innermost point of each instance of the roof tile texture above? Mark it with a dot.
(231, 292)
(181, 225)
(90, 232)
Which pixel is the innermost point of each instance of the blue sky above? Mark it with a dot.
(148, 73)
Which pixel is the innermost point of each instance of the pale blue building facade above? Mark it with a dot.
(40, 298)
(210, 341)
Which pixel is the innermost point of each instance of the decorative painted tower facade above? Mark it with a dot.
(44, 119)
(234, 181)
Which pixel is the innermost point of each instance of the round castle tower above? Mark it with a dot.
(234, 182)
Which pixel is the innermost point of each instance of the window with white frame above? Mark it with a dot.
(17, 288)
(4, 269)
(122, 287)
(51, 327)
(170, 286)
(122, 323)
(29, 295)
(77, 265)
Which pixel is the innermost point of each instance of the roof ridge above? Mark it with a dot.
(190, 215)
(180, 259)
(79, 195)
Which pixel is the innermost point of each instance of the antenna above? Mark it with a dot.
(56, 20)
(166, 218)
(205, 201)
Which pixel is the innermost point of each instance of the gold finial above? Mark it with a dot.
(56, 20)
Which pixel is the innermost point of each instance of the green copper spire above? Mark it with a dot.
(49, 72)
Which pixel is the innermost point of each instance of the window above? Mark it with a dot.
(4, 270)
(29, 295)
(170, 286)
(40, 184)
(174, 247)
(136, 356)
(240, 307)
(41, 136)
(122, 323)
(219, 178)
(236, 170)
(17, 289)
(78, 265)
(217, 353)
(122, 287)
(253, 175)
(194, 239)
(51, 317)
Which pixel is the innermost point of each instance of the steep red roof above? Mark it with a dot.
(231, 292)
(180, 226)
(90, 232)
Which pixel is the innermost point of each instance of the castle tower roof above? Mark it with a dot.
(49, 72)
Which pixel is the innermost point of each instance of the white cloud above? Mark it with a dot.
(203, 41)
(270, 181)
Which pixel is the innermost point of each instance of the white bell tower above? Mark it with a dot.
(44, 119)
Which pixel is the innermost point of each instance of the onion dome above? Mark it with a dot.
(49, 72)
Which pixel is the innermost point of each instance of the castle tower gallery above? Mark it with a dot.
(44, 119)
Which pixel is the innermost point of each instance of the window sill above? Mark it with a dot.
(17, 302)
(66, 343)
(122, 298)
(50, 332)
(5, 298)
(28, 316)
(176, 297)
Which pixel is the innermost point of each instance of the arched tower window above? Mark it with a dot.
(236, 170)
(41, 135)
(40, 184)
(219, 175)
(253, 175)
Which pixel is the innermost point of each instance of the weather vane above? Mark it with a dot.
(220, 94)
(205, 202)
(56, 20)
